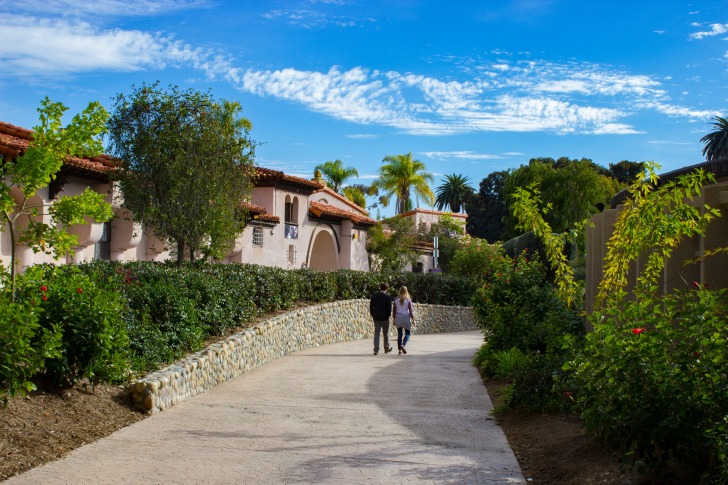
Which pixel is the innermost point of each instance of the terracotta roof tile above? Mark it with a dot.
(272, 176)
(427, 211)
(343, 199)
(318, 209)
(14, 140)
(259, 214)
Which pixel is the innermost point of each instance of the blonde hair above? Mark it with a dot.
(403, 293)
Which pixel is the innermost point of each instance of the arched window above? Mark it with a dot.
(291, 217)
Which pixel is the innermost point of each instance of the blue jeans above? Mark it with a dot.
(400, 341)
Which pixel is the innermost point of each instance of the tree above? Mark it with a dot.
(401, 174)
(356, 195)
(487, 208)
(452, 192)
(390, 249)
(22, 177)
(716, 142)
(449, 233)
(625, 171)
(335, 174)
(187, 166)
(573, 188)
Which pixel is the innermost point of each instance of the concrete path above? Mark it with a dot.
(334, 414)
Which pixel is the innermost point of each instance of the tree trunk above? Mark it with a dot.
(180, 251)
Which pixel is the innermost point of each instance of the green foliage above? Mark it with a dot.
(487, 208)
(530, 218)
(336, 174)
(625, 171)
(450, 238)
(522, 317)
(167, 139)
(475, 260)
(36, 168)
(398, 176)
(25, 346)
(716, 142)
(651, 381)
(391, 250)
(572, 188)
(452, 193)
(87, 313)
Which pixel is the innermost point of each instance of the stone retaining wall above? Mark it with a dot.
(300, 329)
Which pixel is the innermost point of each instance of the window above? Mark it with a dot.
(292, 254)
(291, 215)
(102, 249)
(258, 236)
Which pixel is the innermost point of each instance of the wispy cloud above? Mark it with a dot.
(84, 8)
(508, 95)
(466, 155)
(715, 29)
(315, 19)
(362, 136)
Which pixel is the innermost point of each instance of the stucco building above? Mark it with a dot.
(295, 222)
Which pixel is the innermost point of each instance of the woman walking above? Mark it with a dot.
(404, 317)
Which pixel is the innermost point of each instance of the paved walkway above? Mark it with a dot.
(334, 414)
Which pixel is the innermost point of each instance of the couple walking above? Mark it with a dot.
(382, 307)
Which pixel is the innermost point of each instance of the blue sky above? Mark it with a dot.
(468, 87)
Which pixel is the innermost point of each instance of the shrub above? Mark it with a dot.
(25, 346)
(87, 313)
(651, 381)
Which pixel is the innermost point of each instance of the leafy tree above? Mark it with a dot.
(452, 192)
(187, 165)
(400, 175)
(487, 208)
(36, 168)
(625, 171)
(716, 142)
(573, 188)
(356, 195)
(335, 174)
(390, 249)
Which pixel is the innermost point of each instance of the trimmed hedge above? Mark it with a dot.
(172, 310)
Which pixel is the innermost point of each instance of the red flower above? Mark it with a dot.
(638, 330)
(44, 298)
(44, 288)
(567, 395)
(79, 290)
(696, 284)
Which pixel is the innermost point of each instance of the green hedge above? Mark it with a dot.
(172, 310)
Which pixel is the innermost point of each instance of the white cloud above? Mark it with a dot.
(669, 142)
(466, 155)
(316, 19)
(85, 8)
(362, 136)
(715, 29)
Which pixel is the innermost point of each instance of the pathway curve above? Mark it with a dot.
(335, 414)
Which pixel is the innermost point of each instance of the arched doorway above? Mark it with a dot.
(323, 250)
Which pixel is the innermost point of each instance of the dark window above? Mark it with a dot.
(102, 249)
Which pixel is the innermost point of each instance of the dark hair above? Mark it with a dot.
(384, 287)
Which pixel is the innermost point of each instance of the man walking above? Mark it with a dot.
(380, 308)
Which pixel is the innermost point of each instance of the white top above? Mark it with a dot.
(404, 308)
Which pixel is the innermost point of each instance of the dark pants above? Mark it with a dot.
(383, 326)
(400, 342)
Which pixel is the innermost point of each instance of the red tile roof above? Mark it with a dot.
(324, 210)
(259, 214)
(14, 140)
(427, 211)
(267, 177)
(343, 199)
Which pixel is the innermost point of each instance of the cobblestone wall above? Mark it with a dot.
(276, 337)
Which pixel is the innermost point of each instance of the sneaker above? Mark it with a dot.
(403, 351)
(376, 352)
(387, 350)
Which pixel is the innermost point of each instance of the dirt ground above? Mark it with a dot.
(43, 427)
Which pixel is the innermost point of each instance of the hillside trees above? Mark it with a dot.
(187, 166)
(487, 208)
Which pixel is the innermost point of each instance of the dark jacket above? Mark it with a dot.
(380, 306)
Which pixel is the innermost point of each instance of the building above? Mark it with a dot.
(295, 222)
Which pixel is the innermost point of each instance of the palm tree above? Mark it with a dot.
(399, 175)
(335, 174)
(716, 142)
(452, 192)
(355, 194)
